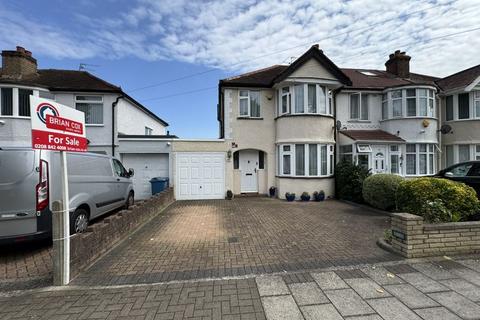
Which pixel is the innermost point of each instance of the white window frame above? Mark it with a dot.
(361, 107)
(430, 150)
(249, 104)
(402, 104)
(388, 101)
(364, 148)
(476, 103)
(148, 131)
(385, 114)
(91, 101)
(323, 105)
(395, 153)
(292, 154)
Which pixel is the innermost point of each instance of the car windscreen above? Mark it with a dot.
(15, 165)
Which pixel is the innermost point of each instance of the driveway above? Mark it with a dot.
(203, 239)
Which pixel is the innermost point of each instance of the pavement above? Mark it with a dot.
(218, 238)
(428, 289)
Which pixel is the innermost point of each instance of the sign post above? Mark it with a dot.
(56, 127)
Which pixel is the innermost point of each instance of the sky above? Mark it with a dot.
(170, 54)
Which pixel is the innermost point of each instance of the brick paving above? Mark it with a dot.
(205, 239)
(427, 291)
(25, 265)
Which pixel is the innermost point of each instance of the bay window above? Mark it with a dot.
(92, 106)
(449, 155)
(305, 160)
(420, 159)
(409, 102)
(249, 103)
(303, 98)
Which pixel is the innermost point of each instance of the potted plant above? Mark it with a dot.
(290, 196)
(305, 196)
(229, 195)
(319, 196)
(272, 191)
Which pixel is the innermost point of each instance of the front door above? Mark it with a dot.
(248, 170)
(379, 159)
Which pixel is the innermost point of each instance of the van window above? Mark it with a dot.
(87, 165)
(119, 169)
(15, 165)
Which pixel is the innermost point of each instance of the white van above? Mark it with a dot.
(30, 181)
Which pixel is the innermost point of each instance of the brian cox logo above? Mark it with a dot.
(45, 109)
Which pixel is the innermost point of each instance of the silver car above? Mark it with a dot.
(30, 182)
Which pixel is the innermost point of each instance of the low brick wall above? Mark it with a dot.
(86, 247)
(413, 238)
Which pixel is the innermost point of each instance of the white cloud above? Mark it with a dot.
(232, 34)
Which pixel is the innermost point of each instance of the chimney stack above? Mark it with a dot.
(399, 64)
(18, 64)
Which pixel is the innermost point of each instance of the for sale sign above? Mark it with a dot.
(57, 127)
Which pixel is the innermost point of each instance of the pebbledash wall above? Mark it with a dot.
(412, 238)
(87, 247)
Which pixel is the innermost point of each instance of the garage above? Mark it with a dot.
(146, 166)
(200, 175)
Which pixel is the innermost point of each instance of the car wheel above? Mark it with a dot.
(79, 221)
(130, 200)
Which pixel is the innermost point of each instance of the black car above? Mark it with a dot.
(466, 172)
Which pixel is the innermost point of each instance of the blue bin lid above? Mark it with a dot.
(159, 179)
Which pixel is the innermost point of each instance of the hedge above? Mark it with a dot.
(380, 190)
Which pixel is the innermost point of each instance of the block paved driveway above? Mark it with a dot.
(418, 290)
(204, 239)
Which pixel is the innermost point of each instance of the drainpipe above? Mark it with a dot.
(114, 104)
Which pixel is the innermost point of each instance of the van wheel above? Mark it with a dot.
(79, 221)
(130, 200)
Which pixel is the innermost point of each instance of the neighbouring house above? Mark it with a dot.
(460, 101)
(116, 124)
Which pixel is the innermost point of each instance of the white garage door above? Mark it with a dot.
(146, 167)
(200, 175)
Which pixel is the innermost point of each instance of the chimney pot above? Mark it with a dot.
(21, 49)
(398, 64)
(28, 53)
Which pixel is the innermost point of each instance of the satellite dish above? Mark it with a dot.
(339, 124)
(445, 129)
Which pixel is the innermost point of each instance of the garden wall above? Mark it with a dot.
(413, 238)
(100, 237)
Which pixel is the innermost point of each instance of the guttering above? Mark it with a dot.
(114, 104)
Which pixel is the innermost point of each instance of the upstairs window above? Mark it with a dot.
(449, 108)
(463, 106)
(148, 131)
(24, 102)
(6, 102)
(358, 106)
(397, 103)
(92, 106)
(249, 102)
(304, 98)
(384, 106)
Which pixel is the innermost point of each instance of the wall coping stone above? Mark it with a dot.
(406, 216)
(452, 225)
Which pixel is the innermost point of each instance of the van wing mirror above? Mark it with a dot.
(131, 172)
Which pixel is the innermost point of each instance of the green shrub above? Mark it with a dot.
(437, 200)
(349, 179)
(380, 190)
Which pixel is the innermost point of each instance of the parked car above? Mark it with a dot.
(466, 172)
(30, 181)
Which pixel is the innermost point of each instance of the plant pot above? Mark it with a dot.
(272, 191)
(290, 197)
(305, 198)
(320, 197)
